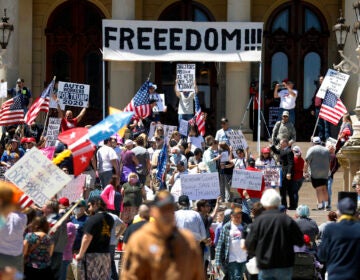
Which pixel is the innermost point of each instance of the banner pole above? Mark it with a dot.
(103, 85)
(259, 108)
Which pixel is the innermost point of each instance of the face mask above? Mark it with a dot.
(133, 180)
(77, 211)
(2, 221)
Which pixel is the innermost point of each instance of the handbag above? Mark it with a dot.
(251, 266)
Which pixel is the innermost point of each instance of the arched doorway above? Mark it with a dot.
(296, 47)
(206, 76)
(73, 43)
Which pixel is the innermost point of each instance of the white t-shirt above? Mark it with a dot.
(236, 254)
(239, 163)
(196, 142)
(104, 157)
(287, 101)
(186, 104)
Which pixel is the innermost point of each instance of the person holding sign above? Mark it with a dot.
(186, 102)
(69, 121)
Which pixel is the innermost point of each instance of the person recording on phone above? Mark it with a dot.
(287, 94)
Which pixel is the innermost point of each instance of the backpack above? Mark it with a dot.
(304, 266)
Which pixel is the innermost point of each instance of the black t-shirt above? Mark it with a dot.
(131, 229)
(99, 226)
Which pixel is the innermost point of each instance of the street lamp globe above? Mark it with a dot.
(5, 31)
(341, 31)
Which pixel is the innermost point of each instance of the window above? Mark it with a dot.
(279, 67)
(311, 73)
(281, 21)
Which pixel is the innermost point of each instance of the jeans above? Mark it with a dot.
(63, 269)
(296, 188)
(248, 205)
(276, 274)
(329, 188)
(323, 126)
(105, 178)
(225, 187)
(235, 270)
(114, 274)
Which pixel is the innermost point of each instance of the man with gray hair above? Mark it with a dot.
(271, 238)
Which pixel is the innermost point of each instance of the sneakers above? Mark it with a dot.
(327, 208)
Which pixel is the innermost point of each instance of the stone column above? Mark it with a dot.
(237, 74)
(122, 74)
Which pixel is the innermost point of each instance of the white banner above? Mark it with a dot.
(185, 75)
(131, 40)
(334, 81)
(52, 131)
(201, 185)
(3, 90)
(37, 176)
(246, 179)
(74, 190)
(73, 94)
(237, 140)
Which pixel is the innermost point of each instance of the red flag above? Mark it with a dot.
(82, 155)
(77, 134)
(332, 109)
(11, 112)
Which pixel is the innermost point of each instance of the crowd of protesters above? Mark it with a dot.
(170, 237)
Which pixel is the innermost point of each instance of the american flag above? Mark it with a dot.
(199, 118)
(11, 112)
(161, 167)
(140, 103)
(40, 104)
(332, 109)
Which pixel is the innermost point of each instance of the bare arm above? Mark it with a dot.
(276, 89)
(85, 242)
(176, 89)
(81, 114)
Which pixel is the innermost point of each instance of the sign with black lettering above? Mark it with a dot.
(246, 179)
(131, 40)
(52, 131)
(72, 94)
(185, 75)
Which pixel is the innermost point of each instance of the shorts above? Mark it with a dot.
(318, 182)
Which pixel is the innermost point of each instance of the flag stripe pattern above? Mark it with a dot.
(41, 104)
(332, 109)
(199, 118)
(140, 103)
(25, 201)
(11, 112)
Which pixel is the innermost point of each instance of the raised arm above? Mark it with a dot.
(176, 89)
(81, 114)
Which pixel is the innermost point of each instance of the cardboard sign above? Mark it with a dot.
(37, 176)
(246, 179)
(272, 176)
(3, 90)
(73, 94)
(185, 74)
(74, 189)
(160, 104)
(52, 132)
(201, 185)
(135, 40)
(183, 127)
(168, 130)
(237, 140)
(334, 81)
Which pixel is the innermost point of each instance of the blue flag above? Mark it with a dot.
(110, 125)
(161, 167)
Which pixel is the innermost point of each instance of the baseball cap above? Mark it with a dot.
(64, 201)
(316, 140)
(163, 198)
(265, 150)
(129, 142)
(285, 113)
(82, 203)
(296, 150)
(347, 206)
(184, 200)
(224, 120)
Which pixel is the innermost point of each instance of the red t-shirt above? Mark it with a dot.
(298, 167)
(68, 124)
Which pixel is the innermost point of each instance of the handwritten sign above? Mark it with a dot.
(185, 74)
(168, 130)
(334, 81)
(37, 176)
(183, 127)
(201, 185)
(246, 179)
(74, 189)
(3, 90)
(237, 140)
(272, 176)
(160, 103)
(73, 94)
(52, 132)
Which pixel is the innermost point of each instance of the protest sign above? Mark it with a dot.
(334, 81)
(37, 176)
(201, 185)
(152, 130)
(237, 140)
(3, 90)
(246, 179)
(73, 94)
(74, 189)
(160, 103)
(183, 127)
(52, 132)
(185, 75)
(176, 190)
(168, 130)
(53, 104)
(272, 175)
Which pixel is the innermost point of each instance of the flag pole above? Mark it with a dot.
(47, 113)
(316, 124)
(149, 76)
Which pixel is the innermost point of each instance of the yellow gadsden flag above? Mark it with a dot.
(113, 110)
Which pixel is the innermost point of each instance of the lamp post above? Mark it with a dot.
(349, 155)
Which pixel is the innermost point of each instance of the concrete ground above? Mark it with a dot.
(307, 192)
